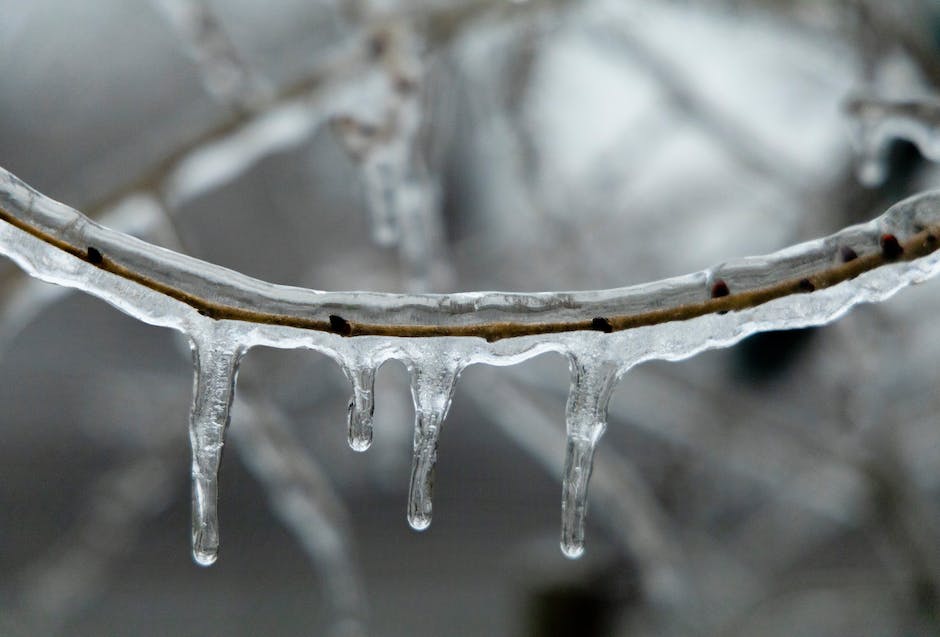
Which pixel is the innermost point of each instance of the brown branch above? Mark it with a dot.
(723, 300)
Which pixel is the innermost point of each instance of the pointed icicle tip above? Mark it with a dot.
(216, 366)
(586, 414)
(432, 390)
(359, 413)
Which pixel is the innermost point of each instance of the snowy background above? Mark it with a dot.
(791, 481)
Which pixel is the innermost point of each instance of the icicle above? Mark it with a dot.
(383, 161)
(592, 382)
(361, 405)
(877, 123)
(216, 365)
(381, 176)
(432, 388)
(400, 188)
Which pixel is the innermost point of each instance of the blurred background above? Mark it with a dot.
(787, 486)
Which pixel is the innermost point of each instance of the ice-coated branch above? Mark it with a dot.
(604, 332)
(267, 120)
(877, 123)
(276, 120)
(192, 291)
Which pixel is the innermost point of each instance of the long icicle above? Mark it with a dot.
(592, 382)
(216, 366)
(432, 388)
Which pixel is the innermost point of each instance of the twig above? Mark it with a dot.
(161, 271)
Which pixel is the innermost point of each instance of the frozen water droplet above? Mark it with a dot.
(205, 557)
(216, 366)
(361, 406)
(421, 487)
(432, 389)
(591, 385)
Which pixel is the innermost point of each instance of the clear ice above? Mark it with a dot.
(216, 365)
(55, 243)
(361, 405)
(432, 388)
(592, 383)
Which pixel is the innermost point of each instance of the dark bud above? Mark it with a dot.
(602, 325)
(367, 130)
(94, 256)
(890, 248)
(848, 254)
(378, 45)
(405, 86)
(340, 325)
(807, 286)
(720, 289)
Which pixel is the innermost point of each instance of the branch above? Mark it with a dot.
(220, 294)
(603, 333)
(877, 123)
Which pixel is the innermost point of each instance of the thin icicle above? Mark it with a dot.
(592, 382)
(627, 507)
(361, 405)
(432, 388)
(216, 366)
(877, 123)
(382, 158)
(401, 190)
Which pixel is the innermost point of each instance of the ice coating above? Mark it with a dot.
(432, 389)
(592, 382)
(361, 404)
(877, 123)
(225, 313)
(215, 359)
